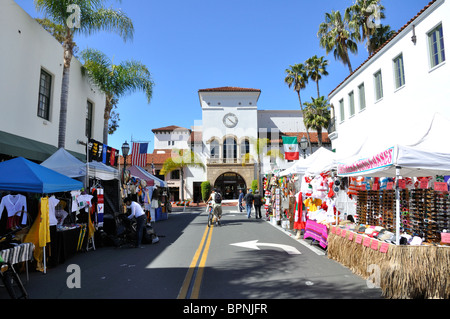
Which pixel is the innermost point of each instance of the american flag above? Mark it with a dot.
(139, 154)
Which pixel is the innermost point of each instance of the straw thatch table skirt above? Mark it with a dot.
(400, 271)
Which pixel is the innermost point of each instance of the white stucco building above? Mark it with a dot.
(402, 84)
(31, 67)
(230, 124)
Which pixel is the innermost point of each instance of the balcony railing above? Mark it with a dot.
(229, 161)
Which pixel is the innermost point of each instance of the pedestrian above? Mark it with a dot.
(216, 199)
(257, 202)
(241, 199)
(138, 213)
(248, 198)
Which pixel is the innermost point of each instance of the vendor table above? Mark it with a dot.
(18, 254)
(68, 242)
(401, 271)
(317, 232)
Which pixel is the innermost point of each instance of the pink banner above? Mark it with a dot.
(380, 160)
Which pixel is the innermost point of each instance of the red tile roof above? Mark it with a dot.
(312, 135)
(158, 156)
(384, 44)
(229, 89)
(170, 128)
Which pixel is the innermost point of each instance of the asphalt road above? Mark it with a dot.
(197, 262)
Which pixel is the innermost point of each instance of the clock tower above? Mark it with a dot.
(230, 124)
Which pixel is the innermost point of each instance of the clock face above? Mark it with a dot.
(230, 120)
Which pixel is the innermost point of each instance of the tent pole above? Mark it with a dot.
(397, 205)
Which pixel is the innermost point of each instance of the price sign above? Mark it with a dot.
(441, 187)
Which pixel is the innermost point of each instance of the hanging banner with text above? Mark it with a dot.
(379, 161)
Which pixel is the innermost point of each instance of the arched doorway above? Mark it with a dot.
(229, 185)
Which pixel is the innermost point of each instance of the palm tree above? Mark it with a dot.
(317, 115)
(298, 78)
(361, 15)
(316, 68)
(381, 35)
(336, 35)
(115, 81)
(260, 146)
(179, 160)
(94, 17)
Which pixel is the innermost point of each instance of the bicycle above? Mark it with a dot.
(210, 211)
(9, 276)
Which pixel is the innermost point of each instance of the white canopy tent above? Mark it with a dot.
(320, 159)
(65, 163)
(406, 150)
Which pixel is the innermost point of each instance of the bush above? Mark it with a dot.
(254, 185)
(206, 190)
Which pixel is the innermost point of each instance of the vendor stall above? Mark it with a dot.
(403, 206)
(37, 182)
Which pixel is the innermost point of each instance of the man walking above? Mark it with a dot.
(257, 202)
(241, 199)
(248, 198)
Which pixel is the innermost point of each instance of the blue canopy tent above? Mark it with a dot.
(22, 175)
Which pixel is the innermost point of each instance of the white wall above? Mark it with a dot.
(26, 48)
(425, 92)
(178, 139)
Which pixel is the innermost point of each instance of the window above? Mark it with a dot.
(214, 149)
(399, 72)
(245, 149)
(45, 85)
(341, 107)
(362, 97)
(351, 101)
(436, 43)
(230, 148)
(175, 174)
(89, 110)
(378, 86)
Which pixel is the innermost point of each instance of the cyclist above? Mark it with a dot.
(216, 199)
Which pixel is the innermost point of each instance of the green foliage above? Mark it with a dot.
(206, 190)
(254, 185)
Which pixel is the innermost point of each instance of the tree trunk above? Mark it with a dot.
(107, 116)
(318, 93)
(68, 54)
(303, 115)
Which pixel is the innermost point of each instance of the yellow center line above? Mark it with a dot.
(187, 280)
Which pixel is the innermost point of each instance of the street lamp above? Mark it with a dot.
(125, 150)
(304, 145)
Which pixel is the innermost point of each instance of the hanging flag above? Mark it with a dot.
(291, 151)
(139, 154)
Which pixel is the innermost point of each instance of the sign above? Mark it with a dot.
(378, 161)
(350, 235)
(384, 248)
(390, 185)
(441, 187)
(366, 241)
(374, 245)
(358, 239)
(423, 183)
(401, 183)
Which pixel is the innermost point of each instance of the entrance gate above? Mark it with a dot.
(229, 185)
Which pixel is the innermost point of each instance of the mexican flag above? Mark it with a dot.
(291, 151)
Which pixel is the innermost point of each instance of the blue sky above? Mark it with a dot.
(198, 44)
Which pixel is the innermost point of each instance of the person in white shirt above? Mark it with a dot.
(138, 213)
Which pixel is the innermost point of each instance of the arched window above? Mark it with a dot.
(214, 149)
(245, 149)
(230, 148)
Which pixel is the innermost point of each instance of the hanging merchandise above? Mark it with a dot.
(13, 205)
(100, 206)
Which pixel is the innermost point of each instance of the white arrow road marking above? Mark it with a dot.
(253, 244)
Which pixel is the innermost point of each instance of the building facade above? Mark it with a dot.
(230, 125)
(404, 80)
(31, 67)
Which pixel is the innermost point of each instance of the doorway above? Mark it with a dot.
(229, 185)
